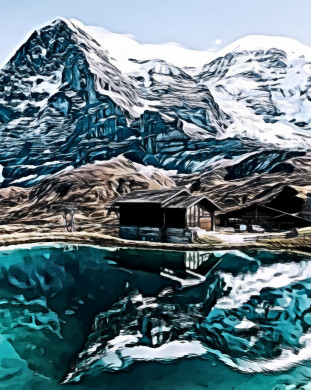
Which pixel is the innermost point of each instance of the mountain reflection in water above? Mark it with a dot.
(75, 315)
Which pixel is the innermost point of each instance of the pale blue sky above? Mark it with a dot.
(195, 24)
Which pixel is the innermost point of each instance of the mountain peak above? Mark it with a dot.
(58, 20)
(250, 43)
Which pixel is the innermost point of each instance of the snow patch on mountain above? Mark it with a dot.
(123, 47)
(293, 48)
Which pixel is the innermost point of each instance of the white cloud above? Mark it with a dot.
(218, 41)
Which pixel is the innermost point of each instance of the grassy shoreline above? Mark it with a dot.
(85, 238)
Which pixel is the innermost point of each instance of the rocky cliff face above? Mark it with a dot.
(65, 103)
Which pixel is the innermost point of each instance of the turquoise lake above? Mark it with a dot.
(81, 317)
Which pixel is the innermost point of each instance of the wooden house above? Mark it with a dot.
(267, 217)
(164, 215)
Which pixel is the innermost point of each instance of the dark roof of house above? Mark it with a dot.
(184, 202)
(149, 196)
(291, 216)
(173, 198)
(242, 210)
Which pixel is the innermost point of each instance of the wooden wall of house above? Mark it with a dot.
(263, 217)
(175, 218)
(140, 233)
(206, 223)
(198, 217)
(287, 222)
(180, 236)
(173, 235)
(194, 214)
(138, 214)
(258, 216)
(306, 209)
(139, 221)
(247, 217)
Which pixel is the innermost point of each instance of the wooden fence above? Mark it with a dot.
(278, 236)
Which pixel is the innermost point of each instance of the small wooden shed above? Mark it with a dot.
(164, 215)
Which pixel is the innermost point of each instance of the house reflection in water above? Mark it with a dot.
(193, 259)
(187, 268)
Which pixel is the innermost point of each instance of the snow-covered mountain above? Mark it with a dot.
(73, 95)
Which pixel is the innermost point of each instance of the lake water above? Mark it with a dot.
(98, 318)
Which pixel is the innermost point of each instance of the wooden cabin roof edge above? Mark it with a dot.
(216, 205)
(187, 199)
(193, 200)
(178, 193)
(250, 205)
(293, 216)
(142, 196)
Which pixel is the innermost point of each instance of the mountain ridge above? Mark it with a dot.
(246, 43)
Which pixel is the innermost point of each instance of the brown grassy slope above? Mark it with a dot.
(88, 188)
